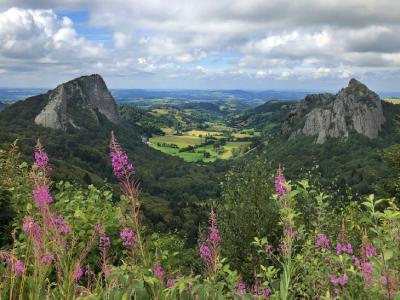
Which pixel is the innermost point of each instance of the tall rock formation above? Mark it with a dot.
(78, 103)
(326, 115)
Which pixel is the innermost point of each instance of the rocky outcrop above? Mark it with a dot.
(77, 103)
(326, 115)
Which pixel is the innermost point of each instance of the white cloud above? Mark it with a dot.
(121, 40)
(40, 34)
(231, 39)
(262, 74)
(321, 72)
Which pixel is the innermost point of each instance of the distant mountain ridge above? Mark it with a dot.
(267, 118)
(354, 108)
(2, 105)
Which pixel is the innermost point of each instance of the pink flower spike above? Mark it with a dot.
(19, 268)
(128, 237)
(241, 288)
(158, 272)
(281, 184)
(47, 258)
(41, 159)
(119, 159)
(42, 196)
(322, 242)
(77, 274)
(170, 283)
(104, 242)
(205, 252)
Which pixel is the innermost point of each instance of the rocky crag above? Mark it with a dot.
(78, 103)
(354, 108)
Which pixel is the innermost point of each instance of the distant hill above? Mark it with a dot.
(124, 95)
(2, 106)
(267, 118)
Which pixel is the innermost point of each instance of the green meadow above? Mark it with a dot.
(173, 144)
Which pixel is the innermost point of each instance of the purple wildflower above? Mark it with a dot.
(41, 158)
(31, 228)
(289, 232)
(78, 273)
(283, 247)
(269, 250)
(281, 184)
(42, 196)
(343, 248)
(107, 270)
(170, 283)
(339, 281)
(119, 159)
(128, 238)
(47, 258)
(370, 251)
(214, 235)
(62, 225)
(205, 252)
(104, 242)
(322, 242)
(98, 228)
(366, 270)
(241, 288)
(19, 268)
(391, 285)
(267, 292)
(356, 261)
(159, 272)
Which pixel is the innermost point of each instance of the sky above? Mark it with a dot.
(207, 44)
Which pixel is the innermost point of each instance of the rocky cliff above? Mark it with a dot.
(78, 103)
(354, 108)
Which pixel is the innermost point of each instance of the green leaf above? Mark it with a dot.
(388, 254)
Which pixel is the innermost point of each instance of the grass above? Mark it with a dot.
(159, 112)
(198, 154)
(203, 133)
(181, 141)
(246, 134)
(168, 130)
(393, 100)
(218, 127)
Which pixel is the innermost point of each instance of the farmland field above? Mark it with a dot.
(180, 140)
(177, 145)
(393, 100)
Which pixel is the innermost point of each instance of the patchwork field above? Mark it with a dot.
(179, 145)
(181, 141)
(393, 100)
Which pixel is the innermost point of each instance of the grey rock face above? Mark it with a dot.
(72, 102)
(326, 115)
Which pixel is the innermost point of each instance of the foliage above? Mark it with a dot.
(247, 211)
(269, 239)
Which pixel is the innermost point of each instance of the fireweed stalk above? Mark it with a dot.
(16, 268)
(210, 248)
(129, 185)
(50, 235)
(282, 192)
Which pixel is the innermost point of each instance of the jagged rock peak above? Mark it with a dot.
(77, 103)
(354, 108)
